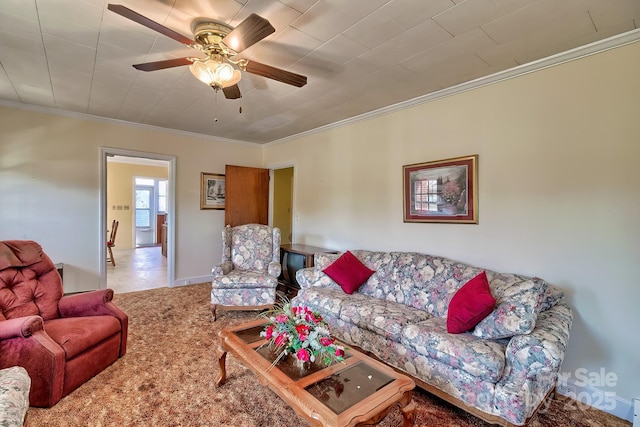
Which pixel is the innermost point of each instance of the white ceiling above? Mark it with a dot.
(358, 55)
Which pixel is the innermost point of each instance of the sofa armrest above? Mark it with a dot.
(313, 276)
(307, 277)
(222, 269)
(275, 269)
(93, 303)
(22, 327)
(542, 351)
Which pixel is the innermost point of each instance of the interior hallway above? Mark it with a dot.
(137, 269)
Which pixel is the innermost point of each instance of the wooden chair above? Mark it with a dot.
(112, 242)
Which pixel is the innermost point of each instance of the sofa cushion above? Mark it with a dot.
(323, 299)
(472, 303)
(77, 334)
(518, 301)
(349, 272)
(483, 359)
(386, 318)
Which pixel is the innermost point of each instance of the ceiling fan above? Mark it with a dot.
(219, 43)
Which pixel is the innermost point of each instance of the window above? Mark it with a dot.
(162, 196)
(426, 195)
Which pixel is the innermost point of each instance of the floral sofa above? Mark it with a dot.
(15, 384)
(501, 371)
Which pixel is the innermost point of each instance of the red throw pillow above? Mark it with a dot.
(348, 272)
(470, 304)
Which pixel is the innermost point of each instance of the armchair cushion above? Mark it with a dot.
(245, 279)
(76, 334)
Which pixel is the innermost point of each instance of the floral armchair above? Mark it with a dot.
(247, 278)
(61, 340)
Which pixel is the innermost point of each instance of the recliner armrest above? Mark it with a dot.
(20, 327)
(93, 303)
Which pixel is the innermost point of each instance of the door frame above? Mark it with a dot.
(272, 168)
(171, 208)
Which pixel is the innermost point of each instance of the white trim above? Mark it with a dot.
(603, 400)
(550, 61)
(171, 206)
(91, 117)
(193, 280)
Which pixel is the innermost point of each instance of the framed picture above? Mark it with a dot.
(441, 191)
(212, 191)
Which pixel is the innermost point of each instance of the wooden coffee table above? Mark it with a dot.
(359, 392)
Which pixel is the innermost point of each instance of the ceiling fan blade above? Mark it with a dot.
(143, 20)
(274, 73)
(232, 92)
(248, 32)
(161, 65)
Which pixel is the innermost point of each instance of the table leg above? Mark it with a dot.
(222, 358)
(408, 410)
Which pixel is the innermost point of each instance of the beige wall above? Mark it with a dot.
(50, 179)
(120, 186)
(559, 191)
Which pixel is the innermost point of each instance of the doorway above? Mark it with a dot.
(148, 193)
(282, 205)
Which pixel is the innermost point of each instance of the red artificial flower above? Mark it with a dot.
(281, 340)
(326, 341)
(303, 355)
(339, 352)
(303, 331)
(282, 318)
(268, 333)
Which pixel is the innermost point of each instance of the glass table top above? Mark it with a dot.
(339, 391)
(346, 388)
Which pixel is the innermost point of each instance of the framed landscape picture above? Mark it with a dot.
(442, 191)
(212, 191)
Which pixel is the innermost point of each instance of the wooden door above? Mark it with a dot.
(247, 198)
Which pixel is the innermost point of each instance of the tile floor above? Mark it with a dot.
(137, 269)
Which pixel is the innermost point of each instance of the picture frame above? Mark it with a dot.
(441, 191)
(213, 190)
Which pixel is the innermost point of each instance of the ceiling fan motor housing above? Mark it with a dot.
(209, 36)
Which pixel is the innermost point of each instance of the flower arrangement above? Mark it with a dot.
(300, 331)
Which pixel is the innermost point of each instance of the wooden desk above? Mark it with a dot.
(287, 282)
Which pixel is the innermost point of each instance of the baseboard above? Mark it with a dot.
(192, 280)
(586, 395)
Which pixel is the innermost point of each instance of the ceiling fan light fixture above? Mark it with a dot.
(216, 74)
(237, 75)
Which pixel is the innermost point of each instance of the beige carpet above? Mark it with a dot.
(167, 379)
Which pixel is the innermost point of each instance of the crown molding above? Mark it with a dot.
(613, 42)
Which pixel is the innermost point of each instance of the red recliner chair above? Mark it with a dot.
(62, 341)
